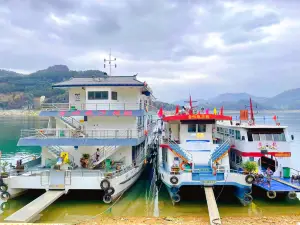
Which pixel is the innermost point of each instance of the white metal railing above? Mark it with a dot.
(97, 106)
(104, 152)
(71, 133)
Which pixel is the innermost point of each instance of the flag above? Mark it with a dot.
(160, 112)
(177, 109)
(221, 110)
(274, 117)
(191, 104)
(215, 111)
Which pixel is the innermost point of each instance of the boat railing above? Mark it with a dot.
(93, 133)
(295, 171)
(97, 106)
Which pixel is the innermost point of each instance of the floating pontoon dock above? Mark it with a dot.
(30, 212)
(214, 216)
(278, 185)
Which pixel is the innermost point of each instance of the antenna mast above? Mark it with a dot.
(110, 60)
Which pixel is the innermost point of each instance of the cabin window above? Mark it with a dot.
(191, 128)
(251, 159)
(114, 95)
(269, 137)
(201, 128)
(255, 137)
(249, 135)
(279, 137)
(98, 95)
(237, 135)
(77, 97)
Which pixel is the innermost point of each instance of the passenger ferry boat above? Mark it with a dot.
(267, 145)
(98, 140)
(190, 156)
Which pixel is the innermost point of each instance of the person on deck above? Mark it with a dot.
(97, 154)
(269, 174)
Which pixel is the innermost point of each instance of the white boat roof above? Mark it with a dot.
(247, 126)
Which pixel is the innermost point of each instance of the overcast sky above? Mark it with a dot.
(202, 47)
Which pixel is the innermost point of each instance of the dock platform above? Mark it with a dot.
(278, 185)
(30, 212)
(214, 216)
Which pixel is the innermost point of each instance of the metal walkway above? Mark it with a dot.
(30, 212)
(214, 216)
(278, 186)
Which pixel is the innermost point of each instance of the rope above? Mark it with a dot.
(222, 187)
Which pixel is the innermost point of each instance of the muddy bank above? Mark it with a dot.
(265, 220)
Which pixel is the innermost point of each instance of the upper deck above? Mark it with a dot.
(102, 96)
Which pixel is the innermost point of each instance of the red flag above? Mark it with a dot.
(191, 104)
(222, 111)
(274, 117)
(177, 109)
(160, 112)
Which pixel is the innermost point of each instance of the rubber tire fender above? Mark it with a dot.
(5, 206)
(248, 198)
(107, 199)
(174, 180)
(249, 179)
(5, 196)
(110, 191)
(176, 198)
(271, 194)
(3, 187)
(105, 184)
(292, 195)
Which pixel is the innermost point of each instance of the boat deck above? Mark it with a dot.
(279, 185)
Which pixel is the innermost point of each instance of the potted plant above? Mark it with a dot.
(84, 160)
(4, 173)
(250, 167)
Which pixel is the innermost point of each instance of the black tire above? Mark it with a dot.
(176, 198)
(107, 199)
(110, 191)
(292, 195)
(249, 179)
(158, 183)
(174, 180)
(105, 184)
(271, 194)
(5, 206)
(5, 196)
(248, 198)
(3, 187)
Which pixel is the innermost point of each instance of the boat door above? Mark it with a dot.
(266, 162)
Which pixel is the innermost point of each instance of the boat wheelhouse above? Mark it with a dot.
(98, 140)
(268, 146)
(189, 155)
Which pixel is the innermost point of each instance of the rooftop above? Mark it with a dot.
(101, 81)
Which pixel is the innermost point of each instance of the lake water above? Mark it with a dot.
(81, 205)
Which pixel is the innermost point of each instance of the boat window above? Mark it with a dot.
(262, 137)
(269, 137)
(98, 95)
(251, 159)
(237, 135)
(201, 128)
(114, 95)
(255, 137)
(279, 137)
(218, 129)
(221, 130)
(192, 128)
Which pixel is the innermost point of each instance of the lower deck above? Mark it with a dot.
(278, 184)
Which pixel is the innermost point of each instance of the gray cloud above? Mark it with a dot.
(236, 44)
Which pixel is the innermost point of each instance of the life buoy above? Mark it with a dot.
(146, 132)
(249, 179)
(176, 198)
(110, 191)
(3, 187)
(181, 166)
(107, 199)
(214, 170)
(5, 196)
(292, 195)
(105, 184)
(250, 122)
(5, 206)
(174, 180)
(271, 194)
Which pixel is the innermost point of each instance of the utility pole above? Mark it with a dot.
(110, 60)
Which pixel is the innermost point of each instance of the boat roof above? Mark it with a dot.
(195, 117)
(101, 81)
(248, 126)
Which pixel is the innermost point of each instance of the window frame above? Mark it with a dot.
(116, 95)
(98, 92)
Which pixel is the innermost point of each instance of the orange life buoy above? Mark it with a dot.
(146, 132)
(182, 165)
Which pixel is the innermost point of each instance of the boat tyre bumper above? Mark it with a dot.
(105, 184)
(176, 198)
(271, 194)
(249, 179)
(107, 198)
(174, 180)
(292, 195)
(5, 196)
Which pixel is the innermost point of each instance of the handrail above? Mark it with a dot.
(295, 170)
(98, 106)
(93, 133)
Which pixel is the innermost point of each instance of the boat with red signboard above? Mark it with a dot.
(266, 145)
(190, 157)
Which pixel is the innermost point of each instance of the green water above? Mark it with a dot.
(81, 205)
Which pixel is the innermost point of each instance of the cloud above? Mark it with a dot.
(202, 47)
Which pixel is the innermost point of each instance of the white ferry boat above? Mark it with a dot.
(98, 140)
(268, 146)
(189, 155)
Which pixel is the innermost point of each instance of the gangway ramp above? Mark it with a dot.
(30, 212)
(214, 216)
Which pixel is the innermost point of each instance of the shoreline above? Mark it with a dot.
(192, 220)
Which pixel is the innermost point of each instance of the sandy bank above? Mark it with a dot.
(19, 112)
(266, 220)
